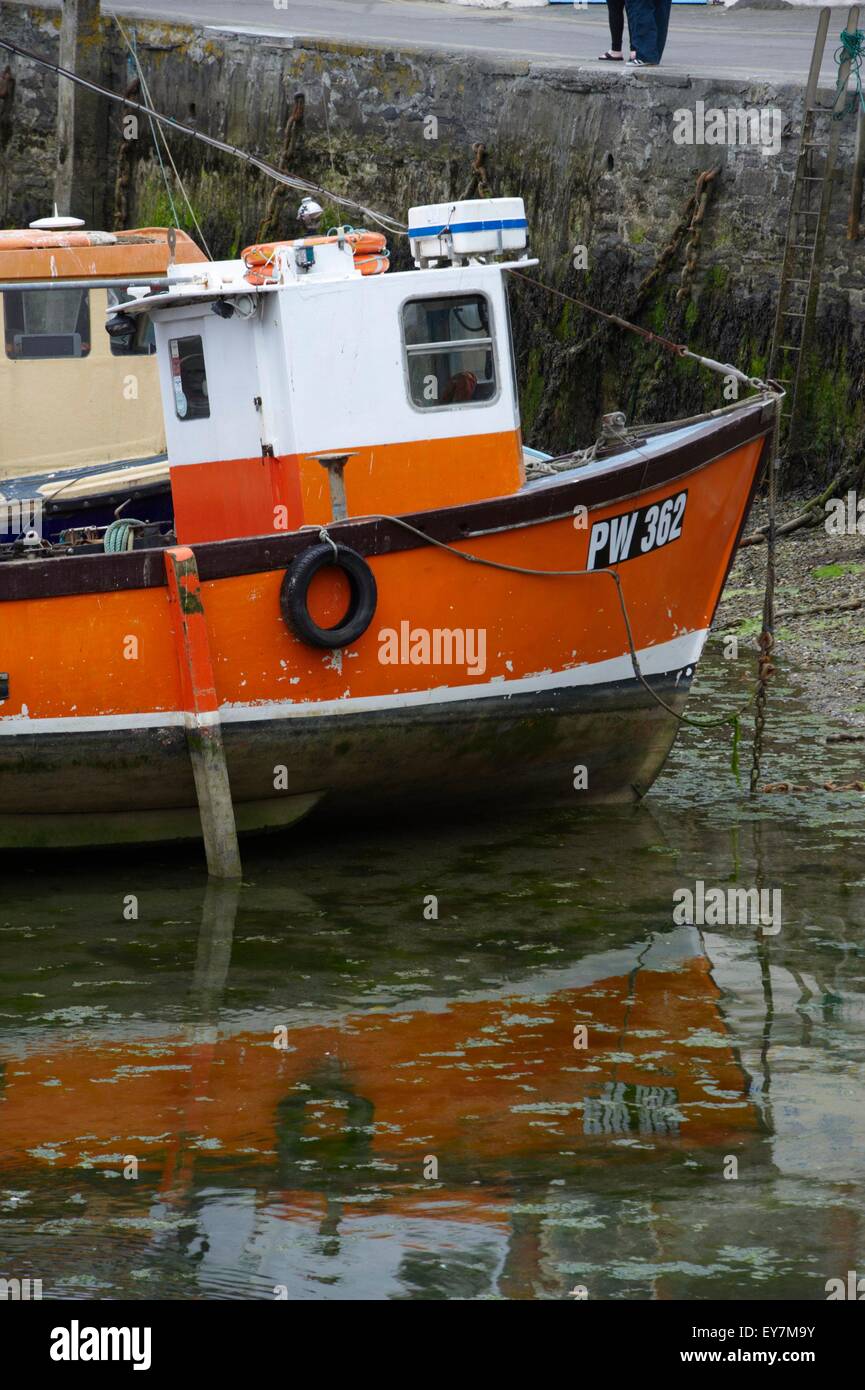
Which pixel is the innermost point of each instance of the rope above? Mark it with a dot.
(328, 540)
(732, 719)
(390, 224)
(677, 349)
(852, 51)
(549, 468)
(157, 134)
(765, 669)
(154, 132)
(120, 535)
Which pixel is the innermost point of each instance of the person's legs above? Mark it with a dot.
(630, 36)
(662, 19)
(616, 14)
(643, 29)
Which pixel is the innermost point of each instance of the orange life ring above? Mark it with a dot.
(369, 248)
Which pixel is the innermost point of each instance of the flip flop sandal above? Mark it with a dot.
(609, 57)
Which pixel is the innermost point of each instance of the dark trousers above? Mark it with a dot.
(616, 13)
(648, 22)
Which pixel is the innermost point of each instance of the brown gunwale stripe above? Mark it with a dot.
(144, 569)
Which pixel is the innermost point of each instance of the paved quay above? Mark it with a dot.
(705, 41)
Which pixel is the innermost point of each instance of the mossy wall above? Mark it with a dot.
(594, 158)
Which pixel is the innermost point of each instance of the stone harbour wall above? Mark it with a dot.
(593, 154)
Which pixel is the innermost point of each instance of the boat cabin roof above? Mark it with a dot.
(300, 358)
(33, 254)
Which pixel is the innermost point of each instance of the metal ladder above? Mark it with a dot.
(808, 219)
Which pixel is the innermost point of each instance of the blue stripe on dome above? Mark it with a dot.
(500, 225)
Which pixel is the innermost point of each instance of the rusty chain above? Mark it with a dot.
(700, 203)
(478, 185)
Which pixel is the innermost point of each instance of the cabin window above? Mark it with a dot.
(449, 351)
(189, 378)
(47, 323)
(140, 340)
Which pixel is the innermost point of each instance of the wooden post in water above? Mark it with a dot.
(82, 124)
(203, 729)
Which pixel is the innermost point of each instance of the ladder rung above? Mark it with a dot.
(792, 314)
(789, 347)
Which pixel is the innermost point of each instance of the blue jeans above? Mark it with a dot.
(648, 21)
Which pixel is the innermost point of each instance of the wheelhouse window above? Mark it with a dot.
(189, 378)
(46, 323)
(449, 351)
(132, 336)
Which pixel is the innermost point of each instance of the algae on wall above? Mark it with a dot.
(593, 160)
(592, 156)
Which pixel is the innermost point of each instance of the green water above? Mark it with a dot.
(425, 1126)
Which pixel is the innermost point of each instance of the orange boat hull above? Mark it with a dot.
(548, 702)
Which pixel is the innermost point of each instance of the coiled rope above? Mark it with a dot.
(852, 51)
(120, 535)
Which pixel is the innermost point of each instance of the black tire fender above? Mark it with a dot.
(293, 595)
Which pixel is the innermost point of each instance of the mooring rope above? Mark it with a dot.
(852, 51)
(732, 719)
(158, 135)
(390, 224)
(677, 349)
(766, 647)
(765, 669)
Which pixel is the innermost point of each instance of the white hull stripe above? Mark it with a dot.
(675, 655)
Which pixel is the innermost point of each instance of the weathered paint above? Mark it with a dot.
(558, 688)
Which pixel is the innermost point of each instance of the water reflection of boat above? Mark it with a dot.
(490, 1085)
(277, 1160)
(709, 1047)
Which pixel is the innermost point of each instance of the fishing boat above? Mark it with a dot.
(377, 598)
(101, 445)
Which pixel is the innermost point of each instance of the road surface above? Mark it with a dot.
(710, 41)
